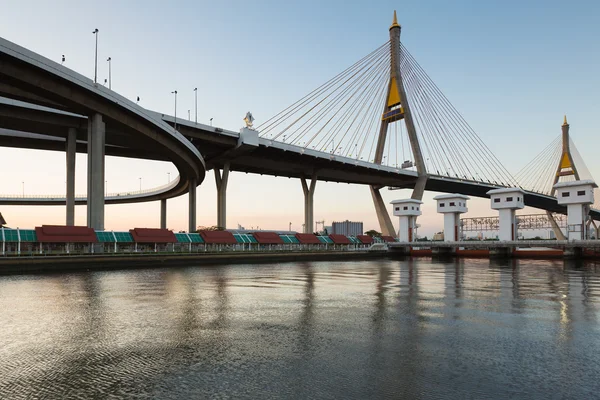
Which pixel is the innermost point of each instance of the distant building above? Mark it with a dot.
(438, 236)
(347, 228)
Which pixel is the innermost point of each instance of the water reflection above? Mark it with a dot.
(381, 329)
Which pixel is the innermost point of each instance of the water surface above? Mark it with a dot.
(415, 329)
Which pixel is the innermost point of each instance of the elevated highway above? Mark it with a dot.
(37, 127)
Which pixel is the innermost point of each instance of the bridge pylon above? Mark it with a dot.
(397, 108)
(566, 167)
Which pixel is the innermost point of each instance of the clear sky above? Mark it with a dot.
(512, 68)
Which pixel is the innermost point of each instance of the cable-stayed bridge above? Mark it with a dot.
(382, 122)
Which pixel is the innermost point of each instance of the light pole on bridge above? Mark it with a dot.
(95, 32)
(196, 103)
(169, 177)
(109, 59)
(175, 93)
(140, 184)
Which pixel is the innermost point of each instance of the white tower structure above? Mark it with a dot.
(577, 196)
(506, 201)
(451, 205)
(408, 210)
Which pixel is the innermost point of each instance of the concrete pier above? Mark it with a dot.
(192, 206)
(221, 180)
(71, 148)
(95, 173)
(309, 192)
(163, 214)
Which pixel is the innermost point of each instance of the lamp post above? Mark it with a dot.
(63, 60)
(175, 93)
(196, 103)
(290, 227)
(140, 184)
(109, 73)
(95, 32)
(169, 177)
(189, 118)
(211, 122)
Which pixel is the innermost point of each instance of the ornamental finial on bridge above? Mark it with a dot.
(565, 121)
(395, 22)
(248, 120)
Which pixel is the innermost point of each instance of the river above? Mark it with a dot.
(413, 329)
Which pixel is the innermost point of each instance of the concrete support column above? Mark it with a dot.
(576, 215)
(451, 227)
(163, 214)
(71, 151)
(385, 222)
(308, 202)
(508, 224)
(192, 201)
(95, 175)
(408, 224)
(221, 181)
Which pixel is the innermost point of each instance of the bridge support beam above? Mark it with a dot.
(555, 228)
(221, 180)
(192, 204)
(385, 222)
(309, 192)
(71, 147)
(163, 214)
(596, 228)
(95, 175)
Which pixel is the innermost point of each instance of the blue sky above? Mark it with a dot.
(512, 68)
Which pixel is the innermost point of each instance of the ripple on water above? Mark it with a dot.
(352, 330)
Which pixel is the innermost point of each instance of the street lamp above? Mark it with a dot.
(63, 60)
(290, 227)
(175, 92)
(189, 118)
(169, 177)
(95, 32)
(196, 103)
(109, 73)
(140, 184)
(211, 122)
